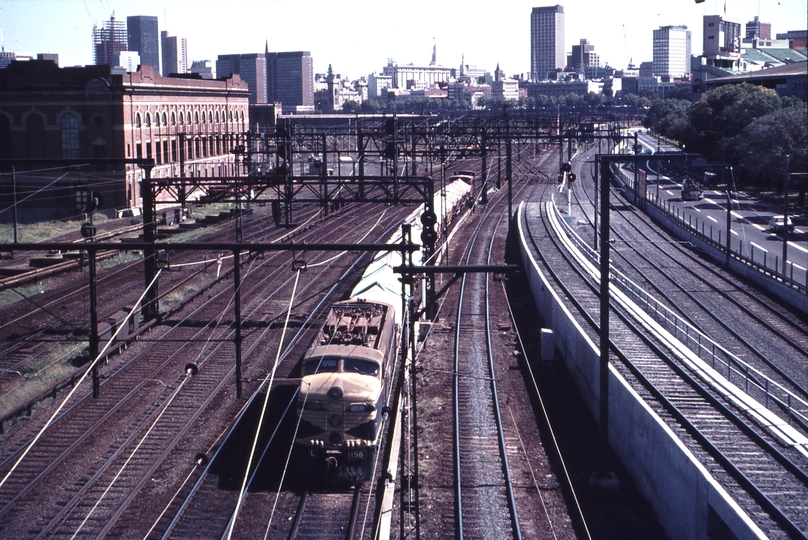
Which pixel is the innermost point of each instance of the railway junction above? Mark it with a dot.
(179, 418)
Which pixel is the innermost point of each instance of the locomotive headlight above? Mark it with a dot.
(362, 407)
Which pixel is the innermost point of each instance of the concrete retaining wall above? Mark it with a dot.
(679, 488)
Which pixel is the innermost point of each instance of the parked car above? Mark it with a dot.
(780, 224)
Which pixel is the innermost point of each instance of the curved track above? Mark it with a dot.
(732, 452)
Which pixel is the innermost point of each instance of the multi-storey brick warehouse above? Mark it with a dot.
(89, 112)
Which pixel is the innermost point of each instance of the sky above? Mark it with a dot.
(359, 37)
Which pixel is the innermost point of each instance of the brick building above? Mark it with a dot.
(47, 112)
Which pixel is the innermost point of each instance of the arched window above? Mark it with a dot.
(173, 118)
(138, 122)
(70, 136)
(165, 119)
(35, 136)
(5, 137)
(217, 116)
(210, 117)
(196, 117)
(231, 116)
(148, 119)
(188, 118)
(242, 115)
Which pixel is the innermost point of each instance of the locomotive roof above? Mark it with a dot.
(345, 351)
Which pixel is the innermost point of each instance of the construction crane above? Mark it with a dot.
(625, 44)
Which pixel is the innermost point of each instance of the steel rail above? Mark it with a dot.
(681, 417)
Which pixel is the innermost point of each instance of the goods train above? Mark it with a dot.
(348, 372)
(346, 378)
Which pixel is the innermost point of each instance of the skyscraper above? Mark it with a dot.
(290, 78)
(547, 52)
(175, 54)
(671, 51)
(252, 68)
(109, 41)
(144, 39)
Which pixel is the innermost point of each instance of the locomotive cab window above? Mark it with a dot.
(363, 367)
(325, 365)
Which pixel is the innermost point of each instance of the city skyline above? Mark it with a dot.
(359, 40)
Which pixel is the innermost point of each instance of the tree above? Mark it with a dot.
(370, 106)
(670, 118)
(351, 107)
(760, 149)
(724, 112)
(594, 100)
(634, 101)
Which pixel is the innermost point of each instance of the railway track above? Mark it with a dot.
(744, 463)
(153, 408)
(484, 497)
(332, 516)
(60, 317)
(488, 478)
(744, 321)
(269, 489)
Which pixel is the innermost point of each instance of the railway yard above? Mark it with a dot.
(191, 433)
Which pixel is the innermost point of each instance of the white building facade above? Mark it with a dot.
(672, 52)
(547, 51)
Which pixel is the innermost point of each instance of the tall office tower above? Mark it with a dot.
(144, 39)
(547, 52)
(290, 78)
(175, 54)
(757, 29)
(109, 41)
(722, 37)
(252, 68)
(672, 51)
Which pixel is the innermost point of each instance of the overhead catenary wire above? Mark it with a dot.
(268, 382)
(78, 383)
(549, 425)
(134, 452)
(329, 290)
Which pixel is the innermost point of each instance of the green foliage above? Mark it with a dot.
(635, 101)
(746, 126)
(760, 149)
(370, 107)
(17, 294)
(350, 107)
(42, 231)
(670, 118)
(724, 112)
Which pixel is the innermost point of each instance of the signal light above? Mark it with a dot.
(571, 177)
(429, 218)
(428, 235)
(566, 167)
